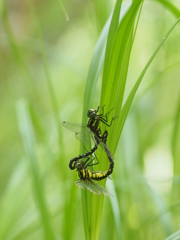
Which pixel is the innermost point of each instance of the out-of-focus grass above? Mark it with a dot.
(37, 193)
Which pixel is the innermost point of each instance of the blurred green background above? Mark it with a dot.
(45, 53)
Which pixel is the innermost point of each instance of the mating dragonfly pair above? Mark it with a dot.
(82, 133)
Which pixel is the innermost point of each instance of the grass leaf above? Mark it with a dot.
(29, 144)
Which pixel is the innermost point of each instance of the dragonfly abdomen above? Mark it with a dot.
(110, 169)
(86, 174)
(72, 162)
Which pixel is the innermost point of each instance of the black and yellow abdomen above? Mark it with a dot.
(98, 175)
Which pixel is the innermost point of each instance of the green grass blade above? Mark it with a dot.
(123, 34)
(112, 73)
(93, 75)
(176, 141)
(64, 10)
(110, 40)
(170, 7)
(47, 72)
(16, 51)
(9, 209)
(175, 146)
(94, 71)
(174, 236)
(130, 98)
(161, 207)
(29, 144)
(115, 209)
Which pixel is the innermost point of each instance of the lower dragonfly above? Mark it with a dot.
(86, 176)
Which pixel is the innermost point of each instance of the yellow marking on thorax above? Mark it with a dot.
(94, 123)
(83, 172)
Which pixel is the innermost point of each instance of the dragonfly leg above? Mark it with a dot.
(105, 121)
(93, 163)
(87, 165)
(104, 136)
(100, 115)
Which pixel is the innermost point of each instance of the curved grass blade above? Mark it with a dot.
(28, 139)
(93, 75)
(107, 97)
(130, 98)
(170, 7)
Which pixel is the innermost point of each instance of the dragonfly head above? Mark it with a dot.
(79, 164)
(91, 113)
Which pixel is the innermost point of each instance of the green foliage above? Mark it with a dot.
(45, 55)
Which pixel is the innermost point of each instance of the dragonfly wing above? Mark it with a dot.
(75, 127)
(92, 187)
(106, 149)
(80, 184)
(83, 133)
(84, 137)
(102, 144)
(103, 190)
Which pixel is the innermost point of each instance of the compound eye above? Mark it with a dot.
(77, 165)
(91, 113)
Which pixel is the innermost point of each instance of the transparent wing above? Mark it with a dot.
(84, 137)
(80, 184)
(106, 149)
(92, 187)
(75, 127)
(89, 185)
(103, 190)
(83, 134)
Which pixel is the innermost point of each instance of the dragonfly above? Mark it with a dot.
(83, 132)
(86, 176)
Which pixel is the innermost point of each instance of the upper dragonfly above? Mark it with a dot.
(93, 129)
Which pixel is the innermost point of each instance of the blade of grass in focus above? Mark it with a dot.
(93, 75)
(29, 144)
(96, 210)
(130, 98)
(119, 56)
(113, 87)
(95, 68)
